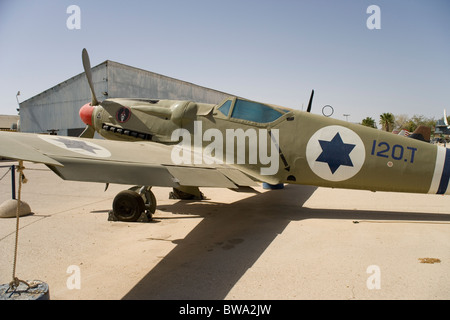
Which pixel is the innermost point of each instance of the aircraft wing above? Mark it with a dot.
(107, 161)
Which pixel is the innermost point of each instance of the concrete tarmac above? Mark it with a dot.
(300, 242)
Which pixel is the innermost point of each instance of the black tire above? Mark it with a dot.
(128, 206)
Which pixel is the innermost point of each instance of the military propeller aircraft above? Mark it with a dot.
(235, 144)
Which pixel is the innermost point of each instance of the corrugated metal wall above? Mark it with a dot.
(57, 108)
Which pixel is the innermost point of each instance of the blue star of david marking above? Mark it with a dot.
(336, 153)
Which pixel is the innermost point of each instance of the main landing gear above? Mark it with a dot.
(135, 204)
(139, 203)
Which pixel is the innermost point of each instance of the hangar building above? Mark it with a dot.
(56, 109)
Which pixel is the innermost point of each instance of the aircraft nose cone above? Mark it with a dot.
(86, 113)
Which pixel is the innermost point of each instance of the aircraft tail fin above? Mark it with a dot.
(422, 133)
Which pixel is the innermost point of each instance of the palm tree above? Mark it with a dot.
(369, 122)
(387, 121)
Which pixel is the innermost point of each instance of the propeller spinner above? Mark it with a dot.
(86, 113)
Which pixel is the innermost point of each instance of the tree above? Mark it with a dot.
(410, 124)
(369, 122)
(401, 121)
(387, 121)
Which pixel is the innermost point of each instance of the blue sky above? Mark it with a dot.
(268, 51)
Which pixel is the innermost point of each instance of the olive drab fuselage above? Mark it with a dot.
(309, 149)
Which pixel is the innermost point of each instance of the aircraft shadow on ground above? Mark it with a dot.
(209, 261)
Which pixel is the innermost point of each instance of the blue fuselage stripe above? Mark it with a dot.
(445, 174)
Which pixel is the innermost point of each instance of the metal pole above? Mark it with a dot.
(13, 181)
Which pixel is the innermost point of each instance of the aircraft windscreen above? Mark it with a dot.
(225, 108)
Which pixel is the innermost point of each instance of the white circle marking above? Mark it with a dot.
(346, 160)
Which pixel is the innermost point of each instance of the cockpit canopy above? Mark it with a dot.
(250, 110)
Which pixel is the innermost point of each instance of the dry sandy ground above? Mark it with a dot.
(297, 243)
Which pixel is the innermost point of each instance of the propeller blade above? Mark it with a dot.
(310, 102)
(87, 70)
(88, 132)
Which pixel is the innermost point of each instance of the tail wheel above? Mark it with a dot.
(128, 206)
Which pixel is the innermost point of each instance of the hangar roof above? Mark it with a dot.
(110, 63)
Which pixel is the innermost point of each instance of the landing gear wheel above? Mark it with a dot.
(128, 206)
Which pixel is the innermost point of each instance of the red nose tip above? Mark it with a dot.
(86, 113)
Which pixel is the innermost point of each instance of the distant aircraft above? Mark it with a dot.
(235, 144)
